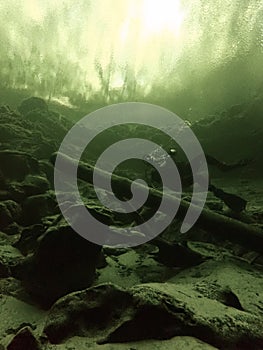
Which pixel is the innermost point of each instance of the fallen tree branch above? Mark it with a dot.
(221, 226)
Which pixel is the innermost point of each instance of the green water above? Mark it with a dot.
(193, 57)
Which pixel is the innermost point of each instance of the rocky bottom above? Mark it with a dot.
(59, 291)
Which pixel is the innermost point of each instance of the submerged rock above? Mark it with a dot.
(110, 314)
(28, 239)
(9, 256)
(15, 165)
(32, 104)
(176, 254)
(37, 207)
(15, 315)
(62, 263)
(93, 312)
(10, 212)
(35, 184)
(24, 340)
(38, 132)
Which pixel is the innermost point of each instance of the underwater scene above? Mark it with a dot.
(131, 163)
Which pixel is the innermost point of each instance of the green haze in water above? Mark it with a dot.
(192, 56)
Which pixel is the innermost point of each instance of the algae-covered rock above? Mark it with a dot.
(9, 256)
(10, 212)
(28, 239)
(38, 131)
(37, 207)
(32, 104)
(232, 282)
(35, 184)
(152, 311)
(15, 165)
(94, 312)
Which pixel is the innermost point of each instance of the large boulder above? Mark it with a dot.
(62, 263)
(192, 304)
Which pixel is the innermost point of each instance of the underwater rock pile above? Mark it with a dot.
(60, 291)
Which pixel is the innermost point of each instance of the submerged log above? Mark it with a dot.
(222, 226)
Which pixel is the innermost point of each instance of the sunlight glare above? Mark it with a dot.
(162, 15)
